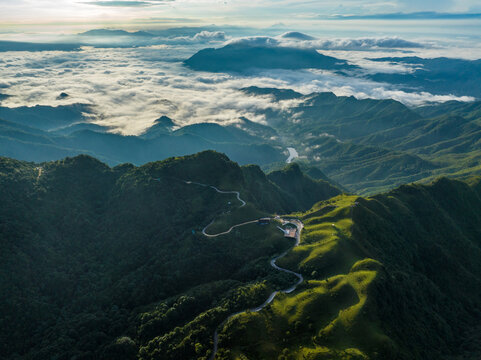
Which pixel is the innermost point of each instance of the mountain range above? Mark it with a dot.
(66, 227)
(446, 76)
(108, 263)
(46, 133)
(332, 227)
(439, 76)
(366, 146)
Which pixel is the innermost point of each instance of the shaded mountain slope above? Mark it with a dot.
(97, 262)
(370, 145)
(239, 57)
(302, 187)
(348, 117)
(437, 76)
(44, 133)
(161, 126)
(45, 117)
(28, 46)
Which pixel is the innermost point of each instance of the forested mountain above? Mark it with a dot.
(247, 56)
(437, 75)
(367, 146)
(440, 75)
(44, 133)
(371, 145)
(97, 261)
(109, 263)
(304, 188)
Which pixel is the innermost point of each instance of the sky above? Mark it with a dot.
(18, 13)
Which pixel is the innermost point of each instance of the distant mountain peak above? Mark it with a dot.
(296, 36)
(278, 94)
(162, 125)
(165, 121)
(111, 32)
(63, 96)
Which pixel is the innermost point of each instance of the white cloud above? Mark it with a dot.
(130, 88)
(367, 44)
(301, 40)
(202, 37)
(210, 35)
(255, 41)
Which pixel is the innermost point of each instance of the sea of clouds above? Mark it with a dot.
(130, 87)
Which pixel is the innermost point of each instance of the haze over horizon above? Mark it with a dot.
(162, 13)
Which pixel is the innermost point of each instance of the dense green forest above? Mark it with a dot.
(370, 146)
(109, 263)
(99, 261)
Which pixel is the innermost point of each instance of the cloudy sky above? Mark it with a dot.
(44, 12)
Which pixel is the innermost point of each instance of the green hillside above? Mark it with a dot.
(301, 187)
(395, 276)
(108, 263)
(370, 146)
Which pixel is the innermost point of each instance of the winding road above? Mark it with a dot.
(297, 223)
(225, 232)
(243, 203)
(272, 296)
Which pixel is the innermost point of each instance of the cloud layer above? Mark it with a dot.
(128, 3)
(131, 87)
(297, 39)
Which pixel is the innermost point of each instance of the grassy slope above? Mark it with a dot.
(396, 276)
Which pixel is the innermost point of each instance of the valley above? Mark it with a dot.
(366, 146)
